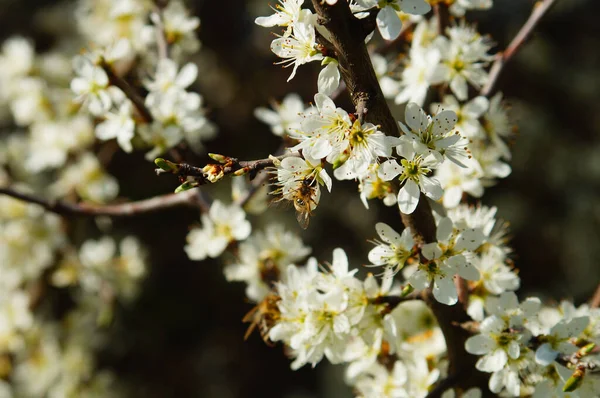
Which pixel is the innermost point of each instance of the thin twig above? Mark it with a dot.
(258, 182)
(213, 172)
(130, 92)
(540, 9)
(155, 204)
(162, 43)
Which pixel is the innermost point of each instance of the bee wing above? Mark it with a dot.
(303, 218)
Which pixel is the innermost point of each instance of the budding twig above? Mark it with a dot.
(151, 205)
(213, 172)
(539, 11)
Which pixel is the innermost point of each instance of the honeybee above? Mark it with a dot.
(264, 316)
(305, 199)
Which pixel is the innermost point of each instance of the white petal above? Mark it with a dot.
(431, 187)
(414, 7)
(452, 196)
(480, 344)
(513, 384)
(339, 264)
(187, 75)
(458, 85)
(326, 179)
(444, 229)
(419, 280)
(387, 234)
(444, 291)
(465, 269)
(408, 197)
(389, 23)
(389, 169)
(415, 117)
(444, 122)
(470, 239)
(476, 107)
(341, 324)
(431, 251)
(492, 362)
(270, 21)
(329, 79)
(320, 149)
(514, 350)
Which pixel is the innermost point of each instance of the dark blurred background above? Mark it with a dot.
(183, 337)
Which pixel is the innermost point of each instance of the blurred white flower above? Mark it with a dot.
(221, 226)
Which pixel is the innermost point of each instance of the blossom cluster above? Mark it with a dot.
(169, 114)
(54, 107)
(382, 327)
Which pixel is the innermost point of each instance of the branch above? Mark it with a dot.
(443, 17)
(130, 92)
(539, 11)
(162, 44)
(442, 386)
(155, 204)
(359, 76)
(213, 172)
(595, 300)
(347, 37)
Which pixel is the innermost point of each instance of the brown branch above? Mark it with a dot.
(595, 300)
(155, 204)
(162, 43)
(130, 92)
(213, 172)
(442, 386)
(347, 37)
(443, 17)
(259, 181)
(359, 76)
(539, 11)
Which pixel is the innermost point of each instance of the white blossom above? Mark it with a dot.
(119, 125)
(413, 173)
(220, 226)
(395, 249)
(91, 86)
(448, 256)
(388, 20)
(463, 58)
(298, 48)
(263, 258)
(284, 117)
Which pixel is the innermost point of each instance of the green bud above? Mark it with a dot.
(328, 60)
(340, 161)
(240, 172)
(219, 158)
(186, 186)
(574, 381)
(166, 165)
(406, 290)
(585, 350)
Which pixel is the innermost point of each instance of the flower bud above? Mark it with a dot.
(219, 158)
(186, 186)
(575, 380)
(166, 165)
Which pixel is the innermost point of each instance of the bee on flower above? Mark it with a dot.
(299, 181)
